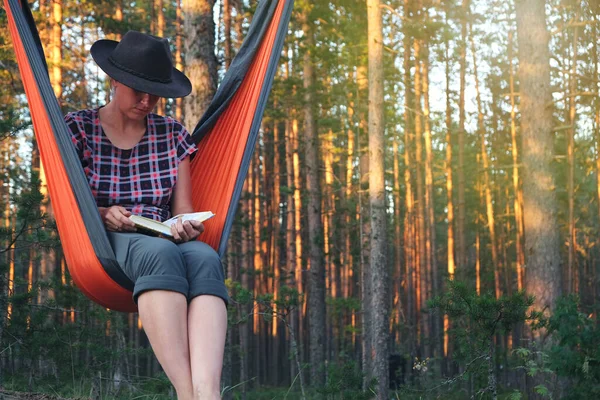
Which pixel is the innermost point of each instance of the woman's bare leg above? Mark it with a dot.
(164, 315)
(207, 324)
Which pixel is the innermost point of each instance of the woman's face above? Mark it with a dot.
(135, 105)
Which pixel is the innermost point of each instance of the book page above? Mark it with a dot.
(198, 216)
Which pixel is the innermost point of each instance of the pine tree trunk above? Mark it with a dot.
(412, 301)
(449, 192)
(200, 59)
(316, 298)
(258, 265)
(378, 261)
(275, 251)
(571, 284)
(49, 259)
(489, 205)
(461, 221)
(243, 310)
(160, 32)
(422, 265)
(348, 265)
(328, 204)
(542, 242)
(398, 278)
(365, 229)
(291, 227)
(430, 206)
(227, 28)
(299, 272)
(597, 135)
(518, 193)
(178, 58)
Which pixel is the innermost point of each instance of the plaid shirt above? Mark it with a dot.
(140, 179)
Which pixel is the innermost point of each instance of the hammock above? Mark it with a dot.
(226, 137)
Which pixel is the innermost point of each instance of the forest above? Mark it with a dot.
(421, 218)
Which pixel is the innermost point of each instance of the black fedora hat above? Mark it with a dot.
(142, 62)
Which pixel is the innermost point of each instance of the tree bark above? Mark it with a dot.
(518, 193)
(178, 58)
(316, 298)
(571, 284)
(543, 277)
(422, 263)
(412, 300)
(489, 204)
(461, 235)
(200, 59)
(227, 28)
(378, 260)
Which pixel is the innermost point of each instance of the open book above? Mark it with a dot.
(164, 228)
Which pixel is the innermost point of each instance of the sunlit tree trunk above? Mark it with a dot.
(200, 59)
(259, 266)
(398, 278)
(178, 58)
(542, 243)
(412, 296)
(486, 184)
(430, 205)
(349, 218)
(595, 56)
(298, 187)
(571, 284)
(461, 234)
(518, 193)
(329, 234)
(449, 192)
(160, 32)
(378, 262)
(49, 256)
(422, 265)
(274, 258)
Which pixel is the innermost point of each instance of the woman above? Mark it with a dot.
(137, 162)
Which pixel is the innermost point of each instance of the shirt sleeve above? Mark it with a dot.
(185, 143)
(75, 125)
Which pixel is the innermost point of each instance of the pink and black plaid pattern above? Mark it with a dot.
(140, 179)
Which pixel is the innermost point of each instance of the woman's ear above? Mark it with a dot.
(113, 86)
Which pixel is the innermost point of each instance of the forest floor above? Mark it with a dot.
(10, 395)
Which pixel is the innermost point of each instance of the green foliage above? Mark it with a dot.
(344, 381)
(576, 350)
(477, 318)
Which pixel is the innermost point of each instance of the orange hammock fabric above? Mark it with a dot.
(218, 170)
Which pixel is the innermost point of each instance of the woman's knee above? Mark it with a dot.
(204, 271)
(159, 257)
(201, 260)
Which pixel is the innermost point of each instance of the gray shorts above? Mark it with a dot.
(193, 268)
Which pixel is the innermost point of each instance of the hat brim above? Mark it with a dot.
(180, 85)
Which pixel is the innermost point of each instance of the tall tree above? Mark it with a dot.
(200, 60)
(316, 295)
(543, 277)
(518, 193)
(461, 217)
(378, 259)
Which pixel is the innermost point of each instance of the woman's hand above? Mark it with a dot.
(116, 219)
(186, 230)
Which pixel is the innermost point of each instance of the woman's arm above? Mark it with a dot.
(182, 203)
